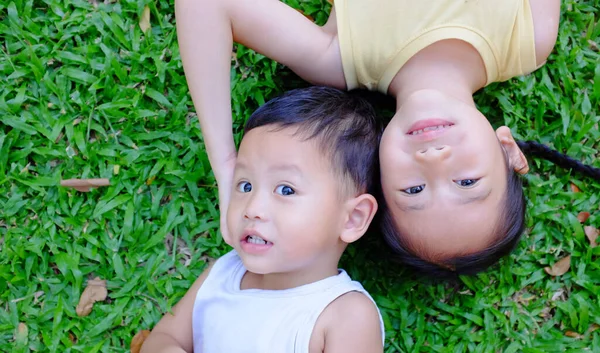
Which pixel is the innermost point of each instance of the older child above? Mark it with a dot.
(452, 198)
(299, 198)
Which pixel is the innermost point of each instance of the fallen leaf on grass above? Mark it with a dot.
(145, 19)
(560, 267)
(574, 188)
(179, 248)
(94, 292)
(138, 340)
(21, 334)
(592, 234)
(573, 334)
(84, 185)
(593, 328)
(559, 294)
(583, 216)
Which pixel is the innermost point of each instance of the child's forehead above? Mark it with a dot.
(283, 147)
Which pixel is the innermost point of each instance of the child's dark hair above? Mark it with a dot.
(344, 125)
(509, 229)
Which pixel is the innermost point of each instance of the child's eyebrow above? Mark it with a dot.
(471, 199)
(286, 168)
(462, 201)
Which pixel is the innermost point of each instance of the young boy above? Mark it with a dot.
(300, 197)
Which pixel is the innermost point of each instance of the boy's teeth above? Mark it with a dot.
(430, 128)
(253, 239)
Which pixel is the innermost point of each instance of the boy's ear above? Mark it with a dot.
(516, 158)
(361, 211)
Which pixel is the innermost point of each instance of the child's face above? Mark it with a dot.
(444, 187)
(286, 212)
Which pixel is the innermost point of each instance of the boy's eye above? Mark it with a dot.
(466, 183)
(284, 190)
(414, 189)
(244, 186)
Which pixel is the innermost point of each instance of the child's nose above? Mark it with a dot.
(433, 154)
(255, 208)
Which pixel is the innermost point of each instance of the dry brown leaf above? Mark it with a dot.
(145, 19)
(592, 234)
(573, 334)
(138, 340)
(574, 188)
(94, 292)
(559, 294)
(180, 247)
(84, 185)
(593, 328)
(150, 180)
(560, 267)
(21, 333)
(583, 216)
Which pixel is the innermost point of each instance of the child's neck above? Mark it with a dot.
(451, 66)
(287, 280)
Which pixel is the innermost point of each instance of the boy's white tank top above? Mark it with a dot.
(227, 319)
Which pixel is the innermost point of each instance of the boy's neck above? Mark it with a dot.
(452, 67)
(288, 280)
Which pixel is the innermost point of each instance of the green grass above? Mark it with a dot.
(85, 93)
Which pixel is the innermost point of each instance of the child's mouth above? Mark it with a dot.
(255, 245)
(253, 239)
(427, 129)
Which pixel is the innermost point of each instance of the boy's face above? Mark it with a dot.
(286, 212)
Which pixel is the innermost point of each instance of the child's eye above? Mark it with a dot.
(284, 190)
(244, 186)
(466, 183)
(413, 190)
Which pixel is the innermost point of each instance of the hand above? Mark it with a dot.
(224, 183)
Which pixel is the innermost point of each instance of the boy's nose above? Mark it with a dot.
(255, 208)
(433, 154)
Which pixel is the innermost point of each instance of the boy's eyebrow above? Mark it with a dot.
(286, 168)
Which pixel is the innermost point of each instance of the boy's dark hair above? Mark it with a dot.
(344, 125)
(509, 229)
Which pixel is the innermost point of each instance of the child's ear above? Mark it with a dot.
(516, 158)
(361, 211)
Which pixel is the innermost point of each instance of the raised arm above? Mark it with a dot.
(206, 30)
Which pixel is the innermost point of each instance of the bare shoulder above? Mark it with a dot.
(546, 15)
(351, 324)
(177, 324)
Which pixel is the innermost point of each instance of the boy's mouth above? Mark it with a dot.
(255, 239)
(255, 244)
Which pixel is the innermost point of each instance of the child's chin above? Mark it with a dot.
(257, 267)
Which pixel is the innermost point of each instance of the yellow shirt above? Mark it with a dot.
(377, 37)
